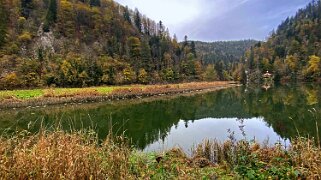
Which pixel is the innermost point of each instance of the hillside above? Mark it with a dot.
(293, 51)
(77, 43)
(227, 51)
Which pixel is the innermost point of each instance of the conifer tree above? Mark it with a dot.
(3, 24)
(51, 17)
(138, 21)
(26, 6)
(94, 2)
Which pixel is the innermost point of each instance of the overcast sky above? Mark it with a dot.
(212, 20)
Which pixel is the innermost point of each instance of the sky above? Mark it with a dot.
(216, 20)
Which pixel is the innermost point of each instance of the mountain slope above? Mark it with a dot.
(227, 51)
(293, 51)
(86, 43)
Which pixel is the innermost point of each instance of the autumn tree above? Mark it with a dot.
(293, 64)
(313, 68)
(135, 51)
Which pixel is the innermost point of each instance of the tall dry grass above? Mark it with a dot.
(60, 155)
(80, 155)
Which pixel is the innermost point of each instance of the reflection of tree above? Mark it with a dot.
(287, 108)
(148, 122)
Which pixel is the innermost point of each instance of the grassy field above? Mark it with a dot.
(78, 155)
(37, 93)
(36, 97)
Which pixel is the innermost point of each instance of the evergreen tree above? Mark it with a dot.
(193, 48)
(138, 21)
(51, 17)
(3, 24)
(146, 56)
(94, 2)
(127, 15)
(26, 6)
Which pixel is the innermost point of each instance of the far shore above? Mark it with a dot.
(56, 96)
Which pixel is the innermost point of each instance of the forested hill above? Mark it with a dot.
(226, 51)
(293, 51)
(87, 43)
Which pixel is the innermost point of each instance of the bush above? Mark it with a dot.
(25, 37)
(10, 81)
(142, 76)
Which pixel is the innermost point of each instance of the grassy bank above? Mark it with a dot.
(78, 155)
(40, 97)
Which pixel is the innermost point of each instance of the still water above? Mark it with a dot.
(272, 115)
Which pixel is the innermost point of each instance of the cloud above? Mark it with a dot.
(211, 20)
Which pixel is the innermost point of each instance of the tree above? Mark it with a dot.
(26, 6)
(138, 21)
(219, 70)
(94, 2)
(313, 67)
(142, 76)
(134, 51)
(51, 17)
(3, 24)
(127, 15)
(293, 63)
(193, 49)
(210, 74)
(146, 56)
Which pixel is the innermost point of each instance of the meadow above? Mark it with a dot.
(49, 96)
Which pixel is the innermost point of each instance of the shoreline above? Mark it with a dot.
(91, 95)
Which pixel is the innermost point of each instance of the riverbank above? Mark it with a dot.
(79, 155)
(53, 96)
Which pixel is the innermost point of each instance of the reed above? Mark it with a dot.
(80, 155)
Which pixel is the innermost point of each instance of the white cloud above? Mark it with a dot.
(217, 19)
(171, 12)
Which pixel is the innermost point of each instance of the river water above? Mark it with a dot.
(265, 115)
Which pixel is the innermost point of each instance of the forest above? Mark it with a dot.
(67, 43)
(292, 52)
(81, 43)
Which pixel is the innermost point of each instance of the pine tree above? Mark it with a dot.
(51, 17)
(127, 15)
(94, 2)
(193, 49)
(138, 21)
(3, 24)
(26, 6)
(146, 56)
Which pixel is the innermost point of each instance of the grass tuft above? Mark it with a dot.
(79, 155)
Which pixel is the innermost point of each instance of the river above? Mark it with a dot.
(265, 115)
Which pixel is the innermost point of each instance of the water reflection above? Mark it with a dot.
(280, 112)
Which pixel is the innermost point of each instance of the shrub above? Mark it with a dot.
(10, 81)
(25, 37)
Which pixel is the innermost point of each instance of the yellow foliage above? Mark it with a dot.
(314, 64)
(292, 62)
(25, 37)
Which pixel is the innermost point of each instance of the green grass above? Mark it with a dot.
(22, 94)
(102, 90)
(36, 93)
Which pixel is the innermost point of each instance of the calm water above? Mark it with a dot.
(275, 114)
